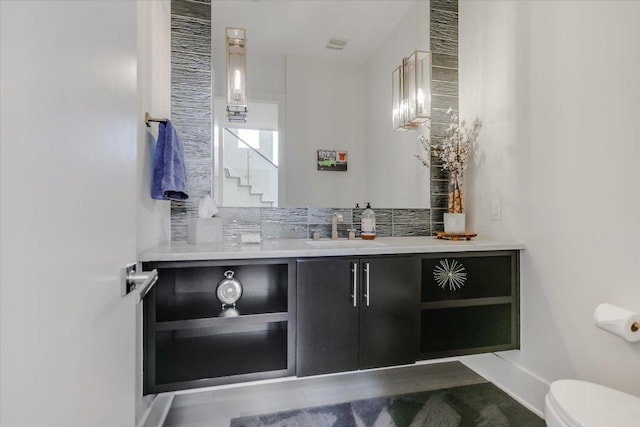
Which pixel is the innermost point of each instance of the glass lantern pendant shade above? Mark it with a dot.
(411, 91)
(236, 74)
(417, 86)
(399, 115)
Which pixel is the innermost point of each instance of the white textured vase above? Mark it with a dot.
(454, 223)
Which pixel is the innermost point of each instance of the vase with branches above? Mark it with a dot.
(457, 145)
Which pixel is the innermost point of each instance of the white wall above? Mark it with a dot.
(265, 76)
(311, 85)
(556, 85)
(154, 96)
(68, 212)
(153, 225)
(389, 153)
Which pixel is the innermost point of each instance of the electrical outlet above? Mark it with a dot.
(496, 210)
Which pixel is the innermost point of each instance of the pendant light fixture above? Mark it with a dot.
(236, 74)
(411, 91)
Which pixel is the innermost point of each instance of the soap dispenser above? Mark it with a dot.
(368, 223)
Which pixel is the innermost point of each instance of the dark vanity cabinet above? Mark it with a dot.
(190, 341)
(469, 303)
(320, 315)
(357, 313)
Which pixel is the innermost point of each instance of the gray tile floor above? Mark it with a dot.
(216, 407)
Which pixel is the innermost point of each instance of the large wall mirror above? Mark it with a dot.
(304, 96)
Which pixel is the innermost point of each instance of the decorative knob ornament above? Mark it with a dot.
(229, 290)
(450, 274)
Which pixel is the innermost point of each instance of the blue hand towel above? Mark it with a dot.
(169, 174)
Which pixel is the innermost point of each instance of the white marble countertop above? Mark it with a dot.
(300, 248)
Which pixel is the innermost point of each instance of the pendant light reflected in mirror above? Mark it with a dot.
(236, 74)
(411, 92)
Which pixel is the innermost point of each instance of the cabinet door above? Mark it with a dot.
(327, 319)
(389, 311)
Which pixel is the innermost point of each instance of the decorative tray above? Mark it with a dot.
(455, 236)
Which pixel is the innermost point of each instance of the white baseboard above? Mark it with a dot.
(157, 412)
(524, 387)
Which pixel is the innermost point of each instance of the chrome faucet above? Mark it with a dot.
(334, 225)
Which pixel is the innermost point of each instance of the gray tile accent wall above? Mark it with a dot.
(444, 48)
(191, 102)
(191, 112)
(300, 223)
(284, 223)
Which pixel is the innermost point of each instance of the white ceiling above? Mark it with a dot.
(303, 27)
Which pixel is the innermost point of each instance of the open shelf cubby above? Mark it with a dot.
(465, 327)
(202, 354)
(189, 342)
(485, 275)
(190, 293)
(480, 315)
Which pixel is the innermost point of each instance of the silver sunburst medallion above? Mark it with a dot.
(450, 274)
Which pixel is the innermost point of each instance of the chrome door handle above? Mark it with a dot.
(354, 270)
(366, 271)
(134, 279)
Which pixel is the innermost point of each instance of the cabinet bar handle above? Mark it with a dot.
(366, 270)
(354, 270)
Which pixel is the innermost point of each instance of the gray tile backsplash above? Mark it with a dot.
(191, 23)
(410, 216)
(324, 215)
(279, 230)
(300, 223)
(284, 215)
(414, 230)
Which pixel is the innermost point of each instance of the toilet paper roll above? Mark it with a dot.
(618, 321)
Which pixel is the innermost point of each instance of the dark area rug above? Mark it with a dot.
(482, 405)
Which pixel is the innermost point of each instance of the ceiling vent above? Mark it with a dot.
(336, 43)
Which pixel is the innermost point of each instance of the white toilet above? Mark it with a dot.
(574, 403)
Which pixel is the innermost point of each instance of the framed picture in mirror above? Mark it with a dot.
(332, 160)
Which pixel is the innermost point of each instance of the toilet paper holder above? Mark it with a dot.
(617, 320)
